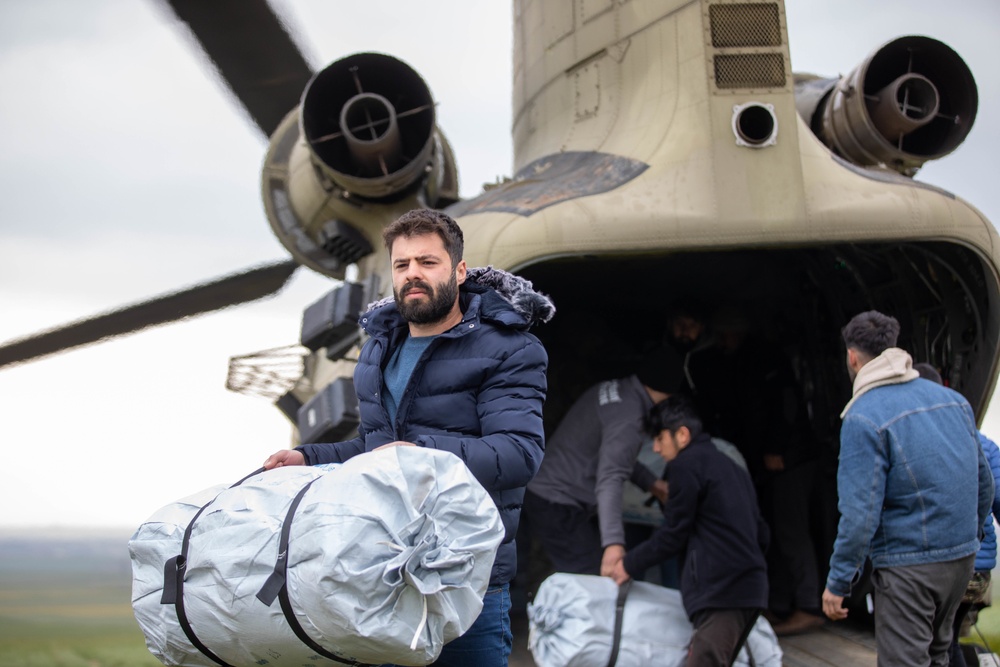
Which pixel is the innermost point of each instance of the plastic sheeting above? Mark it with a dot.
(389, 556)
(572, 619)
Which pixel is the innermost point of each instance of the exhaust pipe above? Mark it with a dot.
(371, 130)
(908, 103)
(912, 100)
(369, 121)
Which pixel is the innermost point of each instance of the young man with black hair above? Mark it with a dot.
(713, 523)
(450, 365)
(914, 491)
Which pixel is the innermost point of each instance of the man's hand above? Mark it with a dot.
(660, 491)
(833, 606)
(613, 554)
(285, 457)
(619, 574)
(397, 443)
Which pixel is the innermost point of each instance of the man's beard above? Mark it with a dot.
(437, 306)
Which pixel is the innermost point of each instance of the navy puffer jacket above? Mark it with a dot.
(477, 392)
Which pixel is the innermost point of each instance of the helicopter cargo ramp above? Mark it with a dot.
(832, 645)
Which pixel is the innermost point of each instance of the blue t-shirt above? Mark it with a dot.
(399, 369)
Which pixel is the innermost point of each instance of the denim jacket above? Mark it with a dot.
(913, 482)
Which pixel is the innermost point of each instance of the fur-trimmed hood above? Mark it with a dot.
(534, 307)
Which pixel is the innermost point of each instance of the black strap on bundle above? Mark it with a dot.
(751, 621)
(616, 641)
(276, 581)
(173, 582)
(277, 584)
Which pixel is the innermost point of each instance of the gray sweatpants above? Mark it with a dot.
(914, 610)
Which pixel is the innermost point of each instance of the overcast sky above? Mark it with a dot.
(127, 171)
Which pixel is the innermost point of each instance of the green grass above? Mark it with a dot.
(70, 627)
(103, 647)
(69, 620)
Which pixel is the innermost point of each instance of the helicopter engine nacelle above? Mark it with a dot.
(361, 149)
(912, 100)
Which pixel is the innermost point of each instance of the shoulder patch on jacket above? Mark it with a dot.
(608, 393)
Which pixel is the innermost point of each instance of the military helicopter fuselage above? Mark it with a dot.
(666, 150)
(663, 151)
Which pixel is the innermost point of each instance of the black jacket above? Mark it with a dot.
(477, 392)
(713, 523)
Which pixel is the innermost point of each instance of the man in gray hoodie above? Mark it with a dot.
(574, 502)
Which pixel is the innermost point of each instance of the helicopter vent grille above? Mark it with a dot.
(748, 40)
(743, 25)
(750, 70)
(344, 242)
(269, 373)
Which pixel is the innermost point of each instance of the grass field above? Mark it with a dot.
(64, 604)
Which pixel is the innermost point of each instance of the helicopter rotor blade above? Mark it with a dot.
(230, 290)
(268, 81)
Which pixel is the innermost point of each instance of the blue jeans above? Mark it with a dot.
(488, 642)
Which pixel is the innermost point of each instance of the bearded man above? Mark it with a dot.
(449, 365)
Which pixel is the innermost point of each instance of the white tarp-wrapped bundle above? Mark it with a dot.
(572, 620)
(388, 557)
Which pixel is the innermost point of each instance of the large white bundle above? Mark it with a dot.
(572, 620)
(212, 601)
(388, 558)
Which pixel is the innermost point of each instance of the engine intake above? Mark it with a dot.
(912, 100)
(369, 120)
(360, 150)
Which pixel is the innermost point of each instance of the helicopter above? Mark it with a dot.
(584, 201)
(298, 74)
(780, 215)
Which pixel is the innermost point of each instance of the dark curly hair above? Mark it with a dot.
(670, 414)
(871, 332)
(422, 221)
